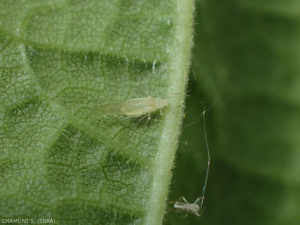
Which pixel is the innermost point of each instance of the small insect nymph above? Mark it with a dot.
(183, 205)
(133, 107)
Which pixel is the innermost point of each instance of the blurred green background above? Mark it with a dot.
(246, 56)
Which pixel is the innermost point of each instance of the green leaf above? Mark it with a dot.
(246, 57)
(59, 60)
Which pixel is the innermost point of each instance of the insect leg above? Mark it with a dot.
(183, 198)
(201, 211)
(132, 94)
(186, 214)
(198, 200)
(140, 120)
(149, 117)
(129, 117)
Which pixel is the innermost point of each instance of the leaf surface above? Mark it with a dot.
(59, 60)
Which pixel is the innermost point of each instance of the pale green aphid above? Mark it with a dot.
(133, 107)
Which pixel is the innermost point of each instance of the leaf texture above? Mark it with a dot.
(59, 60)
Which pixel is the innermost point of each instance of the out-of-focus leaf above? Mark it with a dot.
(246, 57)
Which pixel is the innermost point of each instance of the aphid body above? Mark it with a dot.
(141, 106)
(133, 107)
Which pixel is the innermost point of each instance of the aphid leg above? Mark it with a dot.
(201, 211)
(174, 209)
(183, 198)
(141, 119)
(145, 93)
(149, 118)
(182, 205)
(198, 200)
(186, 214)
(162, 113)
(130, 95)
